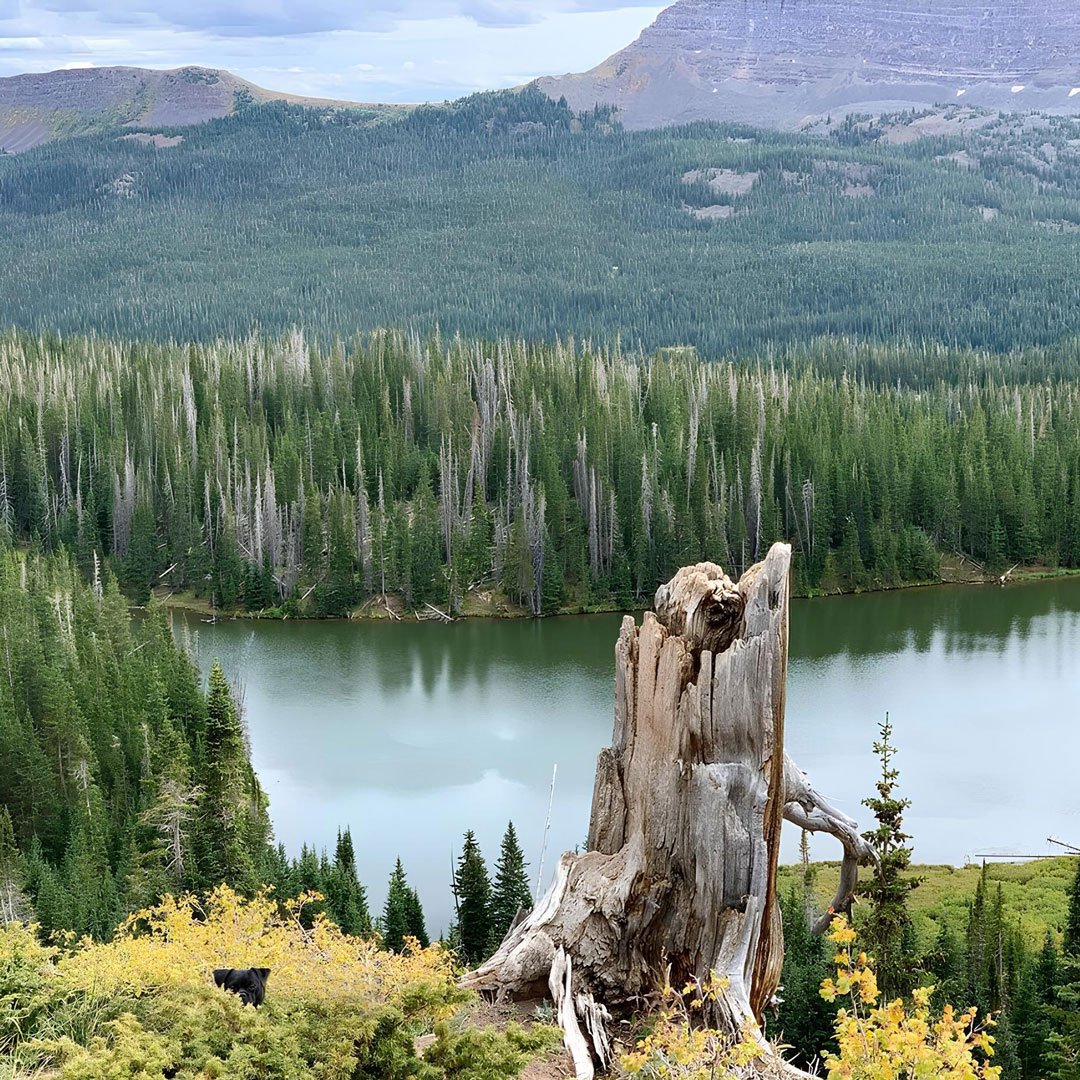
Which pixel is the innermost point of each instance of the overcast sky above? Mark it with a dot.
(365, 50)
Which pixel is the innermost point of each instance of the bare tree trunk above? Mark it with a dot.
(680, 875)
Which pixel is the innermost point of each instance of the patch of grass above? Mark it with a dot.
(1035, 894)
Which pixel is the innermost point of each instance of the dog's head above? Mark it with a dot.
(249, 984)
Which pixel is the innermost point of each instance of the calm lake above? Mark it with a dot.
(412, 733)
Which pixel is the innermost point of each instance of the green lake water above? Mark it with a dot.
(412, 733)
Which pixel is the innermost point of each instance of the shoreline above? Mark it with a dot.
(499, 609)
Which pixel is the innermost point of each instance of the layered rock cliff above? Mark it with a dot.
(779, 62)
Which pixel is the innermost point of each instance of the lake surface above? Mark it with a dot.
(412, 733)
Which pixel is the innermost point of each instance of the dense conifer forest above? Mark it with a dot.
(124, 779)
(284, 477)
(505, 214)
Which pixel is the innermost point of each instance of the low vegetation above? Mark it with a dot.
(1015, 978)
(1035, 893)
(142, 1006)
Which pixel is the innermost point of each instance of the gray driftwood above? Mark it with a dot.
(680, 875)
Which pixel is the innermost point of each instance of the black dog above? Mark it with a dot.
(249, 984)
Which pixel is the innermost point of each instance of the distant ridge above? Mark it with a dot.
(35, 108)
(782, 63)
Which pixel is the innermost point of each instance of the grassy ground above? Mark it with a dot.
(1034, 893)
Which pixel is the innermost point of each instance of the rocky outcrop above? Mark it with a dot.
(37, 107)
(779, 63)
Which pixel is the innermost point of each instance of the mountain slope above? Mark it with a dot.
(778, 62)
(37, 107)
(506, 214)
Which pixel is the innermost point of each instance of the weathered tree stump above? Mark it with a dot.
(680, 875)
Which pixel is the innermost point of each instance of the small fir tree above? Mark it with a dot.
(346, 897)
(415, 924)
(887, 925)
(510, 891)
(226, 771)
(395, 917)
(472, 891)
(803, 1020)
(1062, 1053)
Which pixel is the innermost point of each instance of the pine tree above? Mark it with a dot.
(45, 889)
(225, 853)
(165, 859)
(1070, 941)
(1062, 1054)
(804, 1020)
(945, 962)
(395, 922)
(89, 889)
(978, 972)
(472, 892)
(14, 905)
(888, 922)
(1030, 1020)
(346, 897)
(415, 924)
(510, 890)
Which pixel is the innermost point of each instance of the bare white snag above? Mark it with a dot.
(680, 875)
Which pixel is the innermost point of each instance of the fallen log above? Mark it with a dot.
(684, 836)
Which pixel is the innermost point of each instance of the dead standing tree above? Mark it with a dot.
(680, 874)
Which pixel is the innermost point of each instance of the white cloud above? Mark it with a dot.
(357, 50)
(288, 17)
(17, 44)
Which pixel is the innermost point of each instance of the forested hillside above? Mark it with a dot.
(277, 475)
(122, 780)
(507, 215)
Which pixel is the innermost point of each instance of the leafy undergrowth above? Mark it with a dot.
(143, 1006)
(876, 1039)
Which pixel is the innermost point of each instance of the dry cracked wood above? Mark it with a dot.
(680, 875)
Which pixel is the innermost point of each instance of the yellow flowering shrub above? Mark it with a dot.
(894, 1041)
(144, 1007)
(182, 940)
(678, 1049)
(876, 1040)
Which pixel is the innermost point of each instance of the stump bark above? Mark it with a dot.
(680, 877)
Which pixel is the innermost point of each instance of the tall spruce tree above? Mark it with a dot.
(225, 771)
(1070, 940)
(1030, 1012)
(472, 892)
(395, 921)
(415, 923)
(804, 1019)
(14, 904)
(346, 897)
(1062, 1054)
(510, 890)
(887, 926)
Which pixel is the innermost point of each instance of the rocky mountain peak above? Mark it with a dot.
(780, 62)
